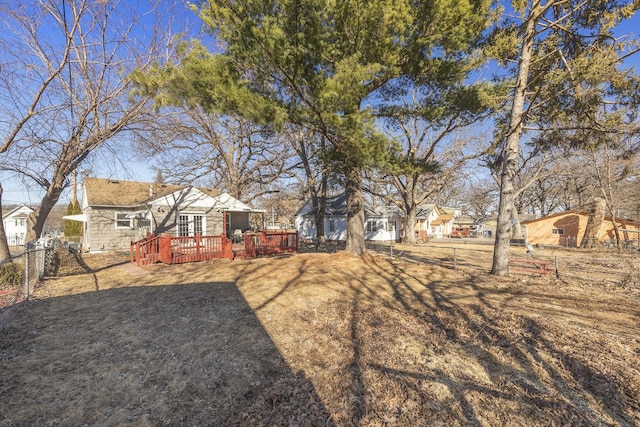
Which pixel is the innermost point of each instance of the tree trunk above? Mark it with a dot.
(4, 246)
(321, 242)
(319, 203)
(410, 226)
(38, 218)
(500, 265)
(515, 223)
(592, 230)
(355, 211)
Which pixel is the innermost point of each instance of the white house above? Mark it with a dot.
(15, 225)
(426, 216)
(116, 212)
(381, 224)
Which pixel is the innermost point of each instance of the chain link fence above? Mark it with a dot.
(23, 272)
(607, 266)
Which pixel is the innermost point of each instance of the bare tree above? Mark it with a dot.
(67, 91)
(313, 179)
(479, 199)
(432, 154)
(230, 153)
(612, 164)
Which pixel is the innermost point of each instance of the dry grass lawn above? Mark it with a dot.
(319, 339)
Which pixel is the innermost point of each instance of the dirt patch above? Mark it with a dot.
(319, 339)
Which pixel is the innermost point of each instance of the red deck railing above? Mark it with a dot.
(270, 242)
(146, 251)
(173, 250)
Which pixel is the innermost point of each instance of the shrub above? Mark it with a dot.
(11, 275)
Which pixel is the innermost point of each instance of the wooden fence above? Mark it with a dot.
(168, 249)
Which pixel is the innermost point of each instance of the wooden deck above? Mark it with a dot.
(169, 249)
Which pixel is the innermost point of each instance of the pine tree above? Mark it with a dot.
(329, 66)
(73, 228)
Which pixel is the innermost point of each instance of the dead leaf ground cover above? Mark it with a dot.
(319, 339)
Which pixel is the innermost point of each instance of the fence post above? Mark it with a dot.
(139, 253)
(165, 249)
(455, 264)
(26, 275)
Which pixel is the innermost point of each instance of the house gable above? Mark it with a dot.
(15, 224)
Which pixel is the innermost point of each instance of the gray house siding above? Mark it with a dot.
(383, 223)
(167, 222)
(102, 234)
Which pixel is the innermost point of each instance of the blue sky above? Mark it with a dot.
(128, 168)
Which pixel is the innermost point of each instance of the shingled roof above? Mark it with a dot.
(110, 192)
(334, 206)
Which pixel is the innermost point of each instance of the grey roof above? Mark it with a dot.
(334, 206)
(388, 211)
(424, 210)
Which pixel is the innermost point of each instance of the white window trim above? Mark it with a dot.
(129, 226)
(191, 231)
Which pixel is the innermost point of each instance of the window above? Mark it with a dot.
(371, 226)
(391, 226)
(190, 225)
(332, 225)
(183, 225)
(122, 221)
(558, 231)
(21, 222)
(197, 225)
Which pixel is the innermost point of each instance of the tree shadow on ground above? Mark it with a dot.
(476, 363)
(411, 344)
(192, 354)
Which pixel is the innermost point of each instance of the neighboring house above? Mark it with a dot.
(15, 224)
(448, 223)
(382, 223)
(379, 224)
(425, 217)
(117, 212)
(567, 229)
(385, 223)
(441, 226)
